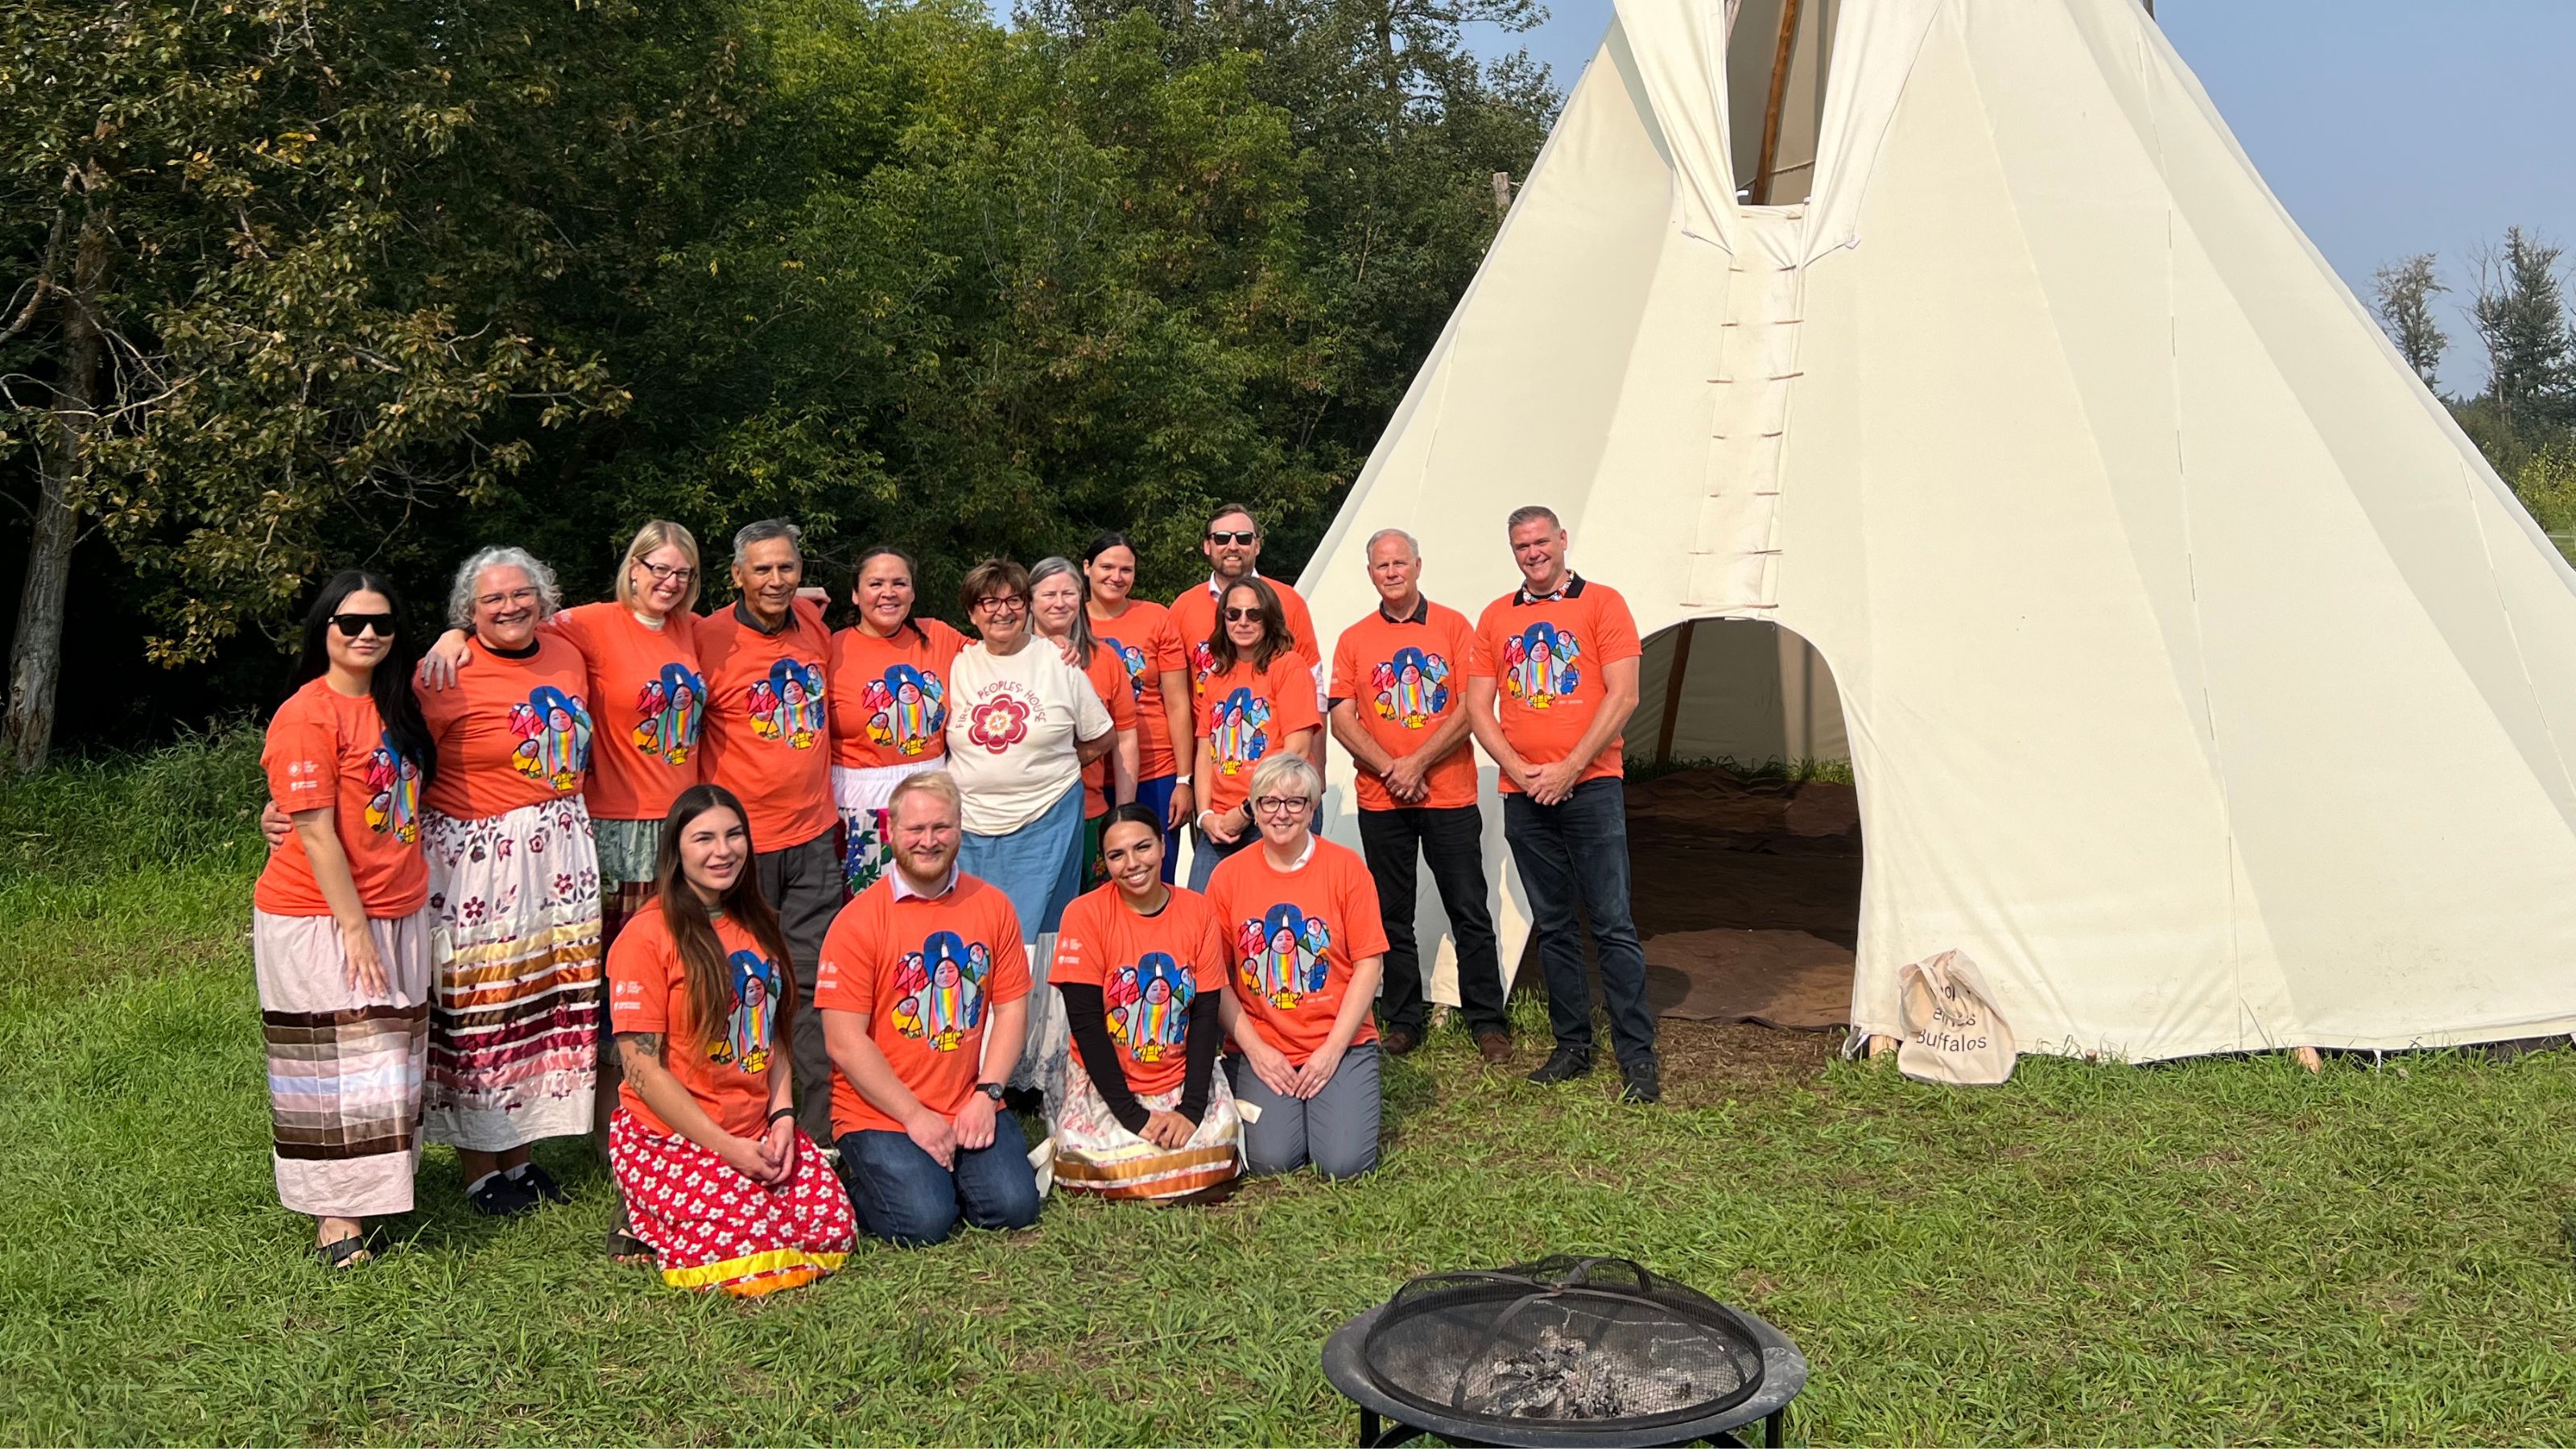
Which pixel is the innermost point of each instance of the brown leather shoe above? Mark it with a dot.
(1399, 1040)
(1495, 1048)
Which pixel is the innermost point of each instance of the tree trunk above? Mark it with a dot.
(35, 658)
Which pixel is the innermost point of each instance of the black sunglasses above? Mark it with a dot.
(1219, 536)
(1236, 616)
(352, 625)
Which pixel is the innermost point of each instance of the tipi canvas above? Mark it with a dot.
(2201, 681)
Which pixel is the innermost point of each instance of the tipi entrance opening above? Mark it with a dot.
(1743, 828)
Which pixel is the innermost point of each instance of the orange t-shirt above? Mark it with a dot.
(648, 991)
(1405, 680)
(1243, 713)
(769, 736)
(1296, 936)
(1548, 656)
(510, 732)
(1194, 622)
(326, 748)
(923, 972)
(1149, 969)
(1146, 645)
(1108, 676)
(893, 694)
(646, 681)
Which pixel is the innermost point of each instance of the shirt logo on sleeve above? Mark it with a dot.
(669, 713)
(1149, 1006)
(788, 705)
(554, 737)
(1538, 665)
(1410, 689)
(943, 990)
(1282, 953)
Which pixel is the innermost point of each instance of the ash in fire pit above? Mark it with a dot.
(1559, 1376)
(1595, 1341)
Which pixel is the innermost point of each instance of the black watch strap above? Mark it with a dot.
(990, 1089)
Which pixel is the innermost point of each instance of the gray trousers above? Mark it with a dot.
(805, 884)
(1335, 1129)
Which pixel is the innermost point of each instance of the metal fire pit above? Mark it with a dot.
(1566, 1351)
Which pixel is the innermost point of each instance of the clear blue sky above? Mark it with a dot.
(2388, 127)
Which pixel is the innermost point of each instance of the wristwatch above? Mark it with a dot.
(992, 1090)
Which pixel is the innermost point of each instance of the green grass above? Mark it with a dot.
(2218, 1251)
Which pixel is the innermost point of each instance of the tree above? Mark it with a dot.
(2404, 302)
(266, 276)
(2521, 316)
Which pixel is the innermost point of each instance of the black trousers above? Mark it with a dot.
(1453, 841)
(805, 884)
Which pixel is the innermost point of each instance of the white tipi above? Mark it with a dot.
(2202, 682)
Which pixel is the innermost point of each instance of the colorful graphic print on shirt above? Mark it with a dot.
(1538, 665)
(943, 990)
(745, 1043)
(788, 705)
(1283, 955)
(1239, 732)
(554, 737)
(669, 712)
(393, 784)
(999, 718)
(1411, 689)
(1149, 1006)
(1131, 659)
(907, 709)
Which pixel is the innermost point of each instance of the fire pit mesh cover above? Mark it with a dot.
(1596, 1341)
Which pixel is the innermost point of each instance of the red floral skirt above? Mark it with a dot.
(711, 1227)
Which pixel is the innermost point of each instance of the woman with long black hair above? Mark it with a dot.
(721, 1186)
(340, 923)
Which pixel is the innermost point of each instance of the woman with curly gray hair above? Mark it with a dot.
(513, 888)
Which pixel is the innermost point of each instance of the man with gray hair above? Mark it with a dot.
(768, 739)
(1549, 688)
(1399, 706)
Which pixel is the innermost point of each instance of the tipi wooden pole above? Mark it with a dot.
(1673, 678)
(1769, 155)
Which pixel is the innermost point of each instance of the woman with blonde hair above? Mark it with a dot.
(1308, 946)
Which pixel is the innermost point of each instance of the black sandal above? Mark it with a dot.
(624, 1248)
(341, 1254)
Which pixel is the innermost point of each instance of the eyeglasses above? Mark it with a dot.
(1245, 536)
(514, 596)
(1239, 616)
(352, 625)
(1280, 804)
(1002, 603)
(664, 573)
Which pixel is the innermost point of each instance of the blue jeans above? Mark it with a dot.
(1203, 861)
(1037, 868)
(904, 1196)
(1575, 854)
(1156, 795)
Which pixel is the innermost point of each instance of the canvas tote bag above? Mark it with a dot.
(1952, 1033)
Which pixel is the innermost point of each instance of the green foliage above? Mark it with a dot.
(271, 268)
(2521, 315)
(393, 280)
(2546, 484)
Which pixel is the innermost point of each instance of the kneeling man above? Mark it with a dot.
(924, 991)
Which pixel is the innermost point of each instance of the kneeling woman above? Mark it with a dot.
(719, 1183)
(1141, 965)
(1307, 948)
